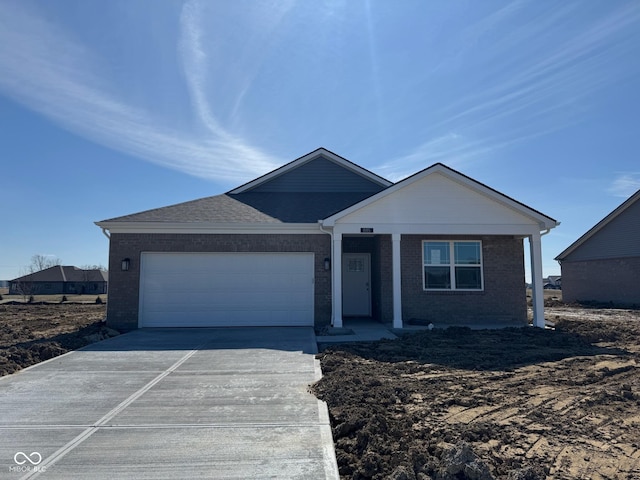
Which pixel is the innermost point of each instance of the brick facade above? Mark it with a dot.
(122, 307)
(613, 280)
(502, 300)
(383, 275)
(503, 297)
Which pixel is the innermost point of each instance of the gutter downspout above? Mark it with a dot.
(323, 230)
(547, 230)
(104, 232)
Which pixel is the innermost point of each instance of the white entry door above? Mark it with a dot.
(356, 284)
(226, 289)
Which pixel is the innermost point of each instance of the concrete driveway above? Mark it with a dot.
(171, 403)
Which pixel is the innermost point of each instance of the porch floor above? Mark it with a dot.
(364, 330)
(368, 330)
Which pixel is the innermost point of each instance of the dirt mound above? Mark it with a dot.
(32, 333)
(521, 404)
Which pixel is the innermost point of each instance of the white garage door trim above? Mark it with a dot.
(226, 289)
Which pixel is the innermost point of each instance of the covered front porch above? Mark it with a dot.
(373, 274)
(442, 245)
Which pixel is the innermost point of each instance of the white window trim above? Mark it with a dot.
(452, 267)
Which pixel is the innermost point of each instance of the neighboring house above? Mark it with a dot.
(555, 280)
(604, 264)
(552, 281)
(320, 239)
(60, 280)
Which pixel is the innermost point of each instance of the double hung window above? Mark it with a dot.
(452, 265)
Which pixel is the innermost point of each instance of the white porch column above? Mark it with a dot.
(535, 245)
(396, 278)
(336, 269)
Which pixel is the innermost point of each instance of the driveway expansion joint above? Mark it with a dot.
(207, 403)
(69, 446)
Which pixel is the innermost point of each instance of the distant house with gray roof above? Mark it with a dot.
(59, 279)
(603, 265)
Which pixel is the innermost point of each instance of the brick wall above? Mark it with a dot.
(383, 293)
(122, 307)
(503, 297)
(615, 280)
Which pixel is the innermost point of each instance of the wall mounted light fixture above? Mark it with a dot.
(327, 263)
(125, 264)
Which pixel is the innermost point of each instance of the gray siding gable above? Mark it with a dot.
(298, 207)
(306, 190)
(619, 238)
(319, 175)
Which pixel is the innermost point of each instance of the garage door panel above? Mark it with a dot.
(228, 281)
(226, 289)
(228, 301)
(238, 318)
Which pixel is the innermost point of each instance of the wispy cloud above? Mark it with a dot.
(452, 149)
(625, 184)
(535, 79)
(199, 67)
(48, 71)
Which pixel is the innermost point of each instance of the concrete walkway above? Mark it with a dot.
(357, 330)
(171, 403)
(368, 330)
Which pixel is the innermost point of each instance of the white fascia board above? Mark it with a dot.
(542, 220)
(209, 228)
(307, 158)
(523, 230)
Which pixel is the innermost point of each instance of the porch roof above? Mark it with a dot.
(440, 200)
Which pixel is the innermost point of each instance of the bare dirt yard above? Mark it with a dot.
(519, 404)
(32, 333)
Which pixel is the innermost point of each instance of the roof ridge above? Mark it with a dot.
(306, 158)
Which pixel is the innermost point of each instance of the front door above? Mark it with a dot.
(356, 285)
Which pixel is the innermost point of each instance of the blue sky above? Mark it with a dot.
(110, 108)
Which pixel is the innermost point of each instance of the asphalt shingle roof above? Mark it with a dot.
(251, 207)
(66, 273)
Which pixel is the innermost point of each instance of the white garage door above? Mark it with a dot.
(226, 289)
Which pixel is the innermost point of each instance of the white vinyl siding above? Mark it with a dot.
(452, 265)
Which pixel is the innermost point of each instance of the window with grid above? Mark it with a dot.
(452, 265)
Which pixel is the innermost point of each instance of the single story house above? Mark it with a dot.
(321, 239)
(555, 280)
(603, 265)
(61, 279)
